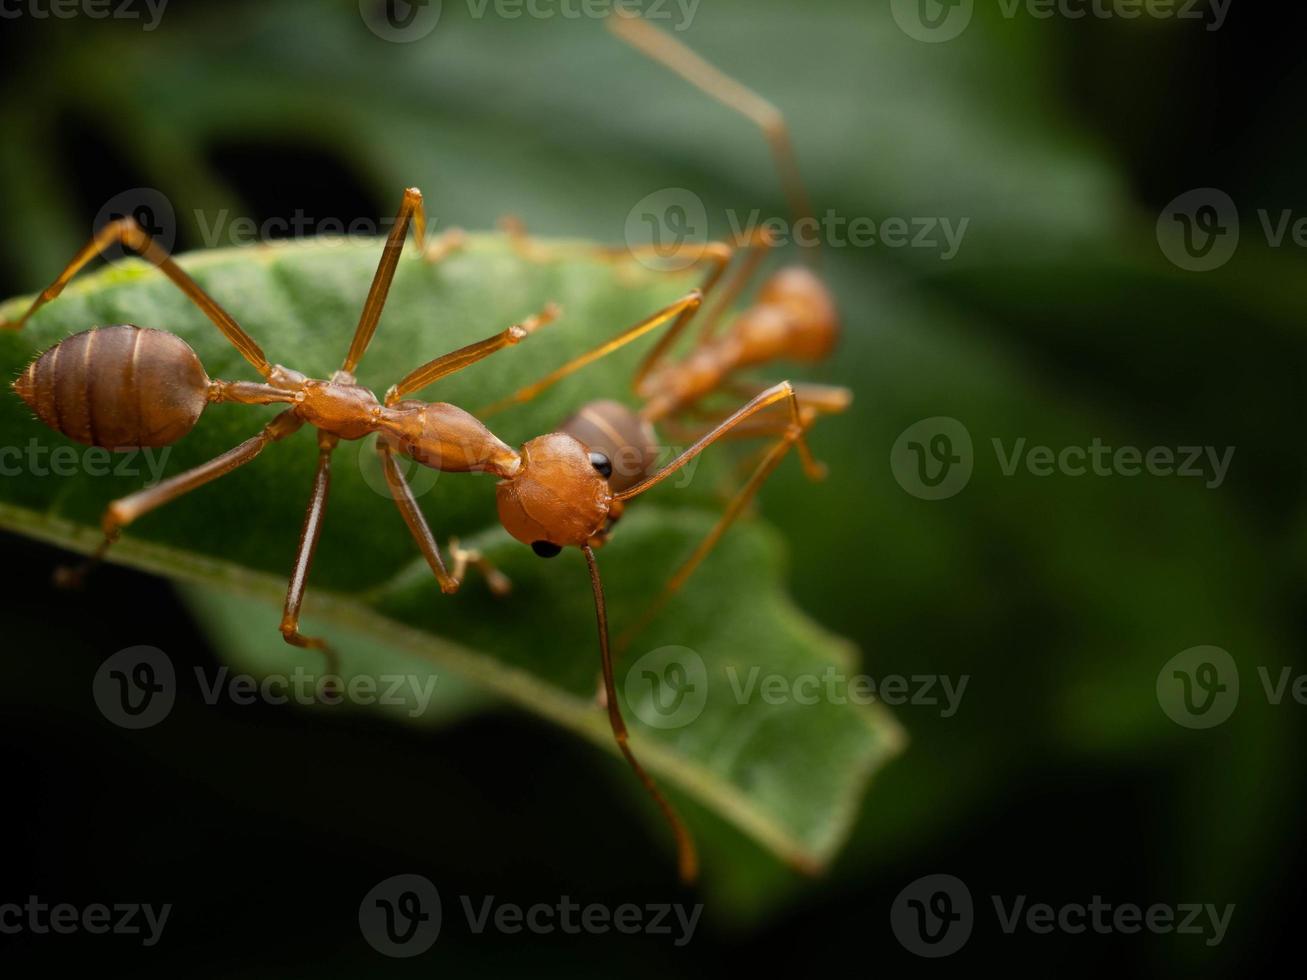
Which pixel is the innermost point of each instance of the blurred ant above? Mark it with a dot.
(792, 317)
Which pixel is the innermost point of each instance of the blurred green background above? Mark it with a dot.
(1060, 320)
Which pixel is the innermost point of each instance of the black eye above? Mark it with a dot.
(546, 549)
(602, 464)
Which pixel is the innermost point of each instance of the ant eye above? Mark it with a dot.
(602, 464)
(546, 549)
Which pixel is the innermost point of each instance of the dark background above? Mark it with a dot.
(266, 829)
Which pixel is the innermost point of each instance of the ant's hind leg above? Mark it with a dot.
(308, 546)
(125, 510)
(126, 232)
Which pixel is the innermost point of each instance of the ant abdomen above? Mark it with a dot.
(794, 317)
(618, 432)
(117, 387)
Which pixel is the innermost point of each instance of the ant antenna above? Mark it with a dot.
(712, 81)
(687, 860)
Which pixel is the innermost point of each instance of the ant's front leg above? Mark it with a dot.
(413, 517)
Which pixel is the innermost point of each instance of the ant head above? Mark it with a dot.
(806, 301)
(559, 496)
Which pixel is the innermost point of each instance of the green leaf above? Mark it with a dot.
(789, 775)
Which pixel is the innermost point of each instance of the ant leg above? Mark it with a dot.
(126, 232)
(687, 859)
(124, 511)
(410, 209)
(445, 244)
(719, 256)
(814, 400)
(496, 581)
(822, 399)
(680, 311)
(515, 229)
(310, 534)
(757, 245)
(793, 435)
(678, 58)
(454, 361)
(783, 392)
(413, 517)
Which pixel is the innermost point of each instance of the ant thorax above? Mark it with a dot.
(444, 437)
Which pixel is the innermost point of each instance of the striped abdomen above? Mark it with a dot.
(118, 387)
(628, 441)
